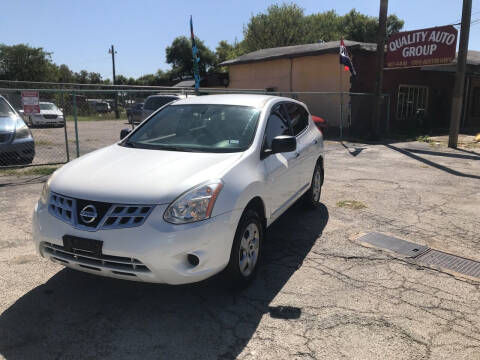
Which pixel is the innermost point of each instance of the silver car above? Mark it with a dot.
(16, 140)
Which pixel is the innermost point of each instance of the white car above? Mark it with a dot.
(187, 194)
(49, 114)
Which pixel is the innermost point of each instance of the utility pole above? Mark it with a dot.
(112, 51)
(381, 36)
(458, 90)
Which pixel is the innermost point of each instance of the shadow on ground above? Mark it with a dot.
(76, 315)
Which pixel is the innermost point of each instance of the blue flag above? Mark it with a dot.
(196, 60)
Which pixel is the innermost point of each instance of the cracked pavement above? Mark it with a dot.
(318, 295)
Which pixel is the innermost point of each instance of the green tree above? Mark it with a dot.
(282, 25)
(179, 55)
(26, 63)
(64, 74)
(226, 51)
(323, 27)
(286, 24)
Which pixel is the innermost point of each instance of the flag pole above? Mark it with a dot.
(341, 103)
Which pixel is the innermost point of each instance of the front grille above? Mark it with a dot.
(126, 216)
(108, 216)
(117, 264)
(50, 116)
(5, 137)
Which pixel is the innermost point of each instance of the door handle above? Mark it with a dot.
(315, 141)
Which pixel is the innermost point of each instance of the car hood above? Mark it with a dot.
(8, 123)
(119, 174)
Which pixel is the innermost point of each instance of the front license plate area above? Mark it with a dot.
(83, 246)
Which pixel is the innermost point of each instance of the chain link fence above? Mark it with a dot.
(73, 122)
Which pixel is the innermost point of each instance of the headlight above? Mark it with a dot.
(46, 191)
(22, 131)
(194, 205)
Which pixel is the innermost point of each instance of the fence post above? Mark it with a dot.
(388, 115)
(65, 128)
(76, 122)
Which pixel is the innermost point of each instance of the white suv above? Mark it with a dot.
(187, 194)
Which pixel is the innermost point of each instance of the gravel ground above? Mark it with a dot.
(50, 142)
(319, 294)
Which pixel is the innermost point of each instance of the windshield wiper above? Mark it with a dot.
(174, 148)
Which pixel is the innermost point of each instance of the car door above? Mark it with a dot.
(280, 179)
(304, 161)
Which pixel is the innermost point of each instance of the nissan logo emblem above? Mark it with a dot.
(88, 214)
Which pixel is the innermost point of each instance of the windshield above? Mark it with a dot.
(155, 102)
(48, 106)
(5, 109)
(201, 127)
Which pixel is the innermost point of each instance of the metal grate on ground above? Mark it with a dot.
(451, 262)
(422, 255)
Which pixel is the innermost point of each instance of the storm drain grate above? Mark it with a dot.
(390, 243)
(450, 262)
(422, 255)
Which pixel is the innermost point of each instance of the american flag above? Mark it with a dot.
(345, 58)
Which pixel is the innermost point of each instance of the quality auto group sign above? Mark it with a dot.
(422, 47)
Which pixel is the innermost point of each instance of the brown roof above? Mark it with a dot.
(299, 50)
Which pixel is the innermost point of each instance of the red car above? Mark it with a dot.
(320, 122)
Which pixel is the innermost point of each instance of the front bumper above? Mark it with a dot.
(41, 121)
(153, 252)
(17, 151)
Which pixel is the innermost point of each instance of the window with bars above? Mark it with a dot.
(411, 99)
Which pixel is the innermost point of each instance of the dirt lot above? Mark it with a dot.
(319, 294)
(50, 142)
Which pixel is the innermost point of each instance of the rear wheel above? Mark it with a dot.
(246, 249)
(312, 196)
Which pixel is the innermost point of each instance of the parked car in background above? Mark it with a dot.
(102, 107)
(134, 113)
(154, 102)
(16, 140)
(197, 185)
(321, 123)
(50, 115)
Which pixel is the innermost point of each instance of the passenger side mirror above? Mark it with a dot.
(124, 133)
(283, 143)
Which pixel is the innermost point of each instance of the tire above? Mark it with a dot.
(312, 196)
(249, 236)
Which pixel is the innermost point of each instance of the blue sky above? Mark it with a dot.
(80, 32)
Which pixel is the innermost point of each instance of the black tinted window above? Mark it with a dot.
(298, 117)
(276, 126)
(156, 102)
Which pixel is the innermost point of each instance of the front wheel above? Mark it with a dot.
(246, 249)
(312, 196)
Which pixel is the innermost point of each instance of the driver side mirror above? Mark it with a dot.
(281, 144)
(284, 143)
(124, 133)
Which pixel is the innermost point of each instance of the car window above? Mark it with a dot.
(277, 125)
(200, 127)
(5, 109)
(298, 117)
(156, 102)
(48, 106)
